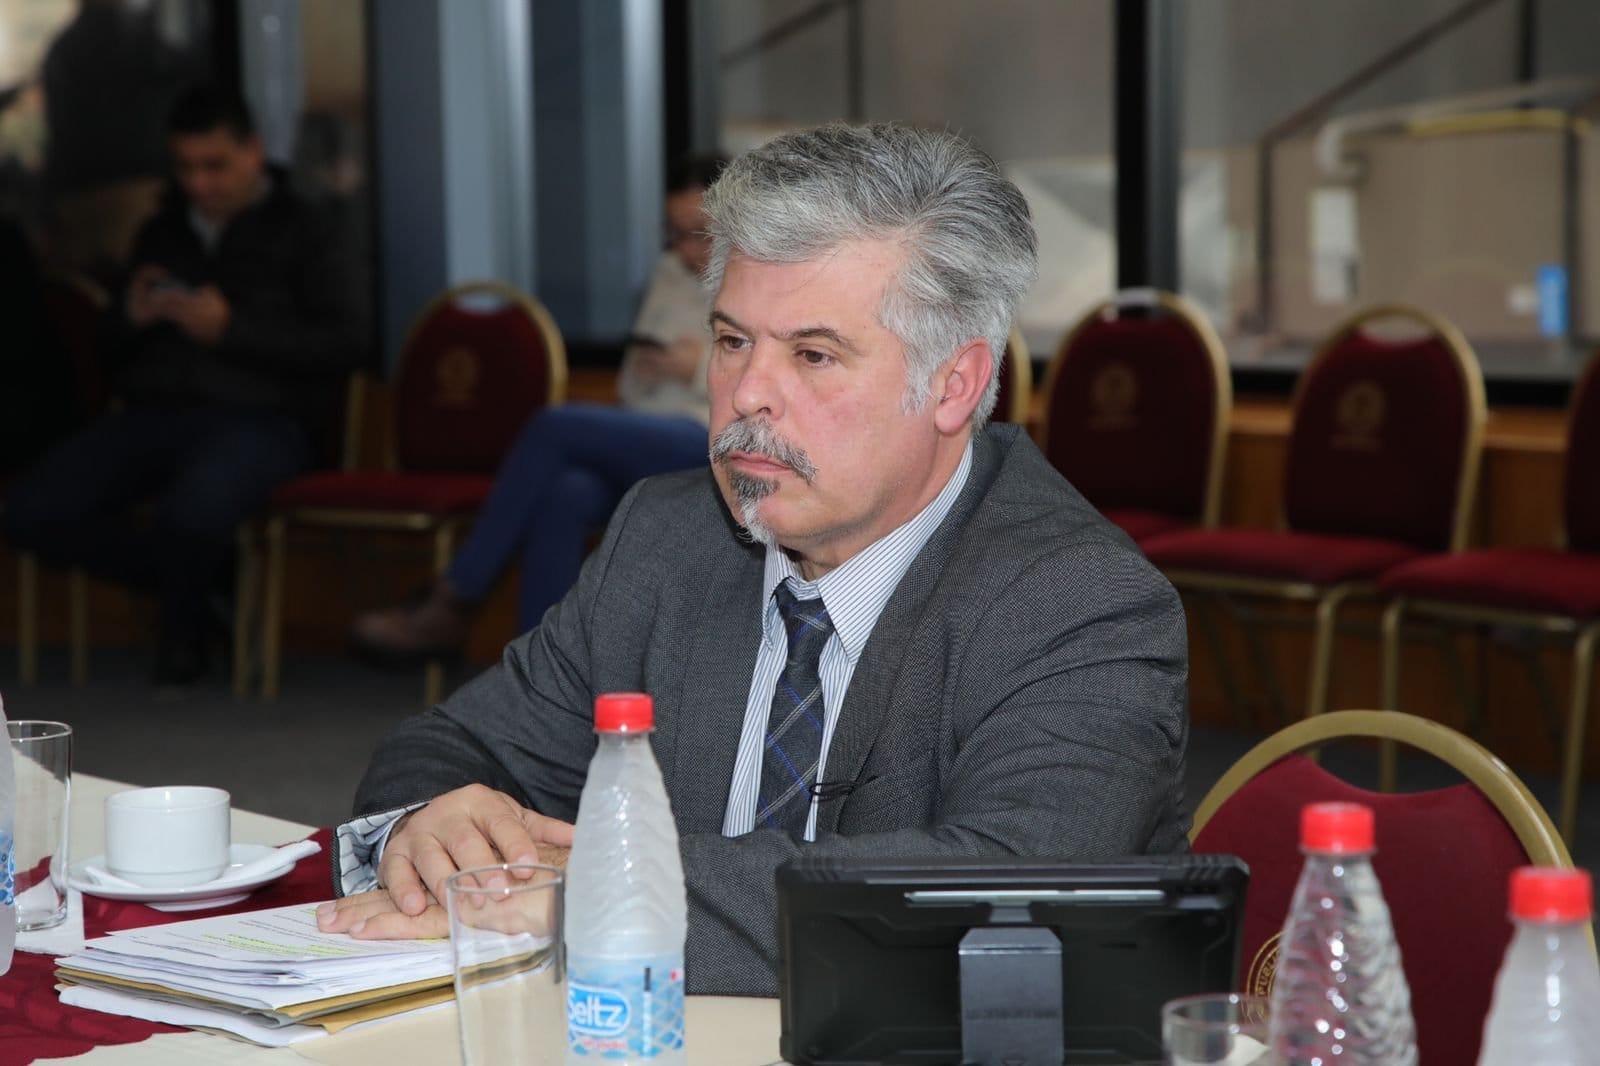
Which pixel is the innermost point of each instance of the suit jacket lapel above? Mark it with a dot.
(715, 691)
(870, 698)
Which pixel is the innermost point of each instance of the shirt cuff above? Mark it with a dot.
(361, 842)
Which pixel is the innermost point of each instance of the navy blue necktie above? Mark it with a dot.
(793, 745)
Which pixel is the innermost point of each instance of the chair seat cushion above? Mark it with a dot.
(1141, 524)
(381, 490)
(1315, 558)
(1518, 579)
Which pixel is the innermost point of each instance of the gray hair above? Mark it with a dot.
(971, 252)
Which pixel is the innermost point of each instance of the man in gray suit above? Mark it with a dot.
(874, 627)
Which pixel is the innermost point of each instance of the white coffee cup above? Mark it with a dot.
(170, 837)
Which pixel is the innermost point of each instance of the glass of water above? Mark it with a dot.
(1229, 1029)
(43, 760)
(505, 934)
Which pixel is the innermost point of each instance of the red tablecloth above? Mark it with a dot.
(35, 1024)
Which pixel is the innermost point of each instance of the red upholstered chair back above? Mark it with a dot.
(1444, 859)
(1386, 433)
(478, 361)
(1016, 383)
(1136, 406)
(1583, 463)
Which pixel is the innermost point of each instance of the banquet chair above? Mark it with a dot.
(1016, 382)
(1381, 468)
(477, 362)
(1444, 858)
(1136, 407)
(1550, 590)
(338, 425)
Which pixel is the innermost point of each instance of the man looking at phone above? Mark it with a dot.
(236, 319)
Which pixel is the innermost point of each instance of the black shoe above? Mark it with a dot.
(435, 626)
(179, 662)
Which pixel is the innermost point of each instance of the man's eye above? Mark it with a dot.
(728, 342)
(815, 358)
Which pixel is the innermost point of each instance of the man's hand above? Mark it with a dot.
(374, 916)
(472, 826)
(203, 314)
(147, 301)
(682, 360)
(679, 361)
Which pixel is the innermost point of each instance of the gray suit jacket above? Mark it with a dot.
(1022, 693)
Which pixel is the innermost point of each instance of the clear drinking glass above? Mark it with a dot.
(43, 759)
(505, 934)
(1217, 1028)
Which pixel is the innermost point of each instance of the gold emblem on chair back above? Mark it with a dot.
(1114, 398)
(456, 378)
(1361, 411)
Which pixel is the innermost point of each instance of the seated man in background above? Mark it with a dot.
(571, 463)
(237, 316)
(994, 669)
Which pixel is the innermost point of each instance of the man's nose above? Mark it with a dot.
(760, 387)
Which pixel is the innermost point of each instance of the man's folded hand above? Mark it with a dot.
(472, 826)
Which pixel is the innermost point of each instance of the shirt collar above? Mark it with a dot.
(210, 232)
(855, 592)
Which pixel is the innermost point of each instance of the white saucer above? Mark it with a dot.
(216, 893)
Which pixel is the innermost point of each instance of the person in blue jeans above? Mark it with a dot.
(571, 464)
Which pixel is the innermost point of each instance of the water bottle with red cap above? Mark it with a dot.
(1340, 995)
(627, 916)
(8, 878)
(1547, 998)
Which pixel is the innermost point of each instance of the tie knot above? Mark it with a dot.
(807, 622)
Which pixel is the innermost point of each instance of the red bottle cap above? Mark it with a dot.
(1336, 828)
(624, 712)
(1544, 894)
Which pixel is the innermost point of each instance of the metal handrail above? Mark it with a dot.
(1309, 112)
(1575, 92)
(780, 32)
(855, 51)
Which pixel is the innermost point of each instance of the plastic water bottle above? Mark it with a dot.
(1547, 998)
(1340, 995)
(626, 912)
(8, 860)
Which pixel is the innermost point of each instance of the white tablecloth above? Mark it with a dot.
(721, 1031)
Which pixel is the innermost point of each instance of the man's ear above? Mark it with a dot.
(959, 386)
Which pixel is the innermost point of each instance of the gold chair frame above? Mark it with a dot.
(1330, 598)
(1584, 634)
(249, 595)
(442, 530)
(1019, 365)
(1199, 324)
(1486, 772)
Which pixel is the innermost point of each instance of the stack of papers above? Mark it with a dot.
(256, 974)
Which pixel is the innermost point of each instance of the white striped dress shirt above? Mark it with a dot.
(854, 595)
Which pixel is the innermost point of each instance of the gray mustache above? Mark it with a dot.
(759, 438)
